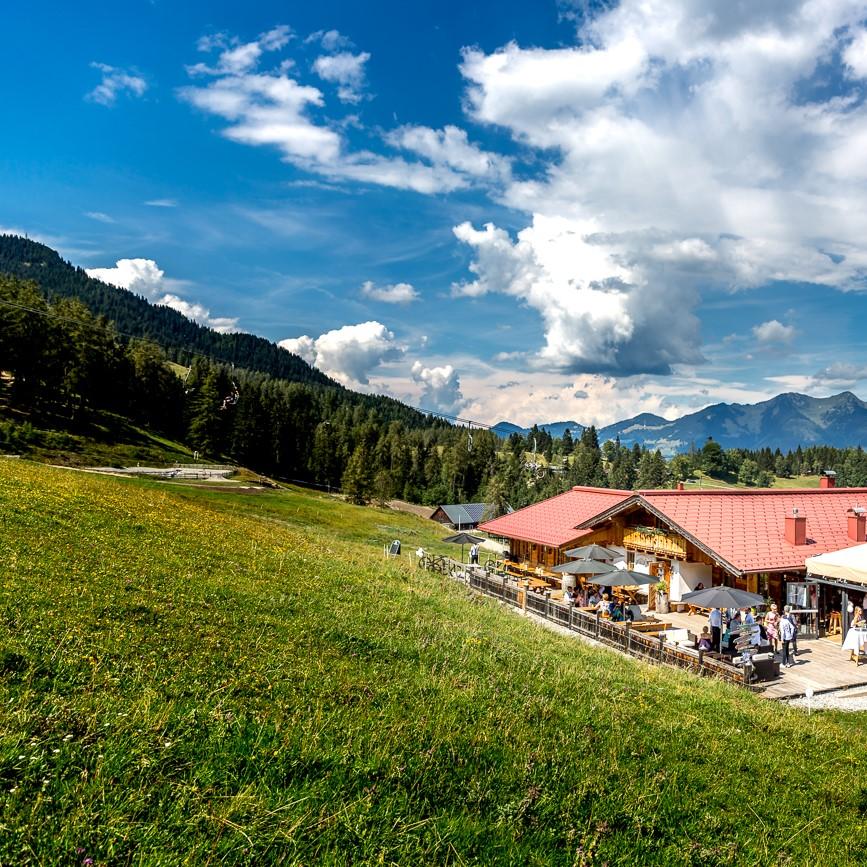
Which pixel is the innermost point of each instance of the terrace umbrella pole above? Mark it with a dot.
(463, 539)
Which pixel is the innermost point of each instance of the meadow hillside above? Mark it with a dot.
(192, 677)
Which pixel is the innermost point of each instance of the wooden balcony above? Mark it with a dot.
(654, 542)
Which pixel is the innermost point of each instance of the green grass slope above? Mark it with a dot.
(702, 480)
(106, 440)
(194, 678)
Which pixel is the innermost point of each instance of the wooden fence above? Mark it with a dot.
(650, 647)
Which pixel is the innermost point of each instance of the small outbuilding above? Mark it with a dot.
(461, 516)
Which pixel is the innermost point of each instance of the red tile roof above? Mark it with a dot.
(746, 528)
(553, 522)
(743, 528)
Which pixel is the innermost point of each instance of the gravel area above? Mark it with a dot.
(851, 700)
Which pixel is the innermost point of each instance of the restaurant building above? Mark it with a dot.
(752, 539)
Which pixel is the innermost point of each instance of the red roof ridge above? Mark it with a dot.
(748, 492)
(563, 494)
(600, 490)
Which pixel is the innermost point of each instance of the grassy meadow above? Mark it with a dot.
(193, 677)
(105, 439)
(703, 480)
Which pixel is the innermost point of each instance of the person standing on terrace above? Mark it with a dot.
(772, 625)
(715, 622)
(787, 633)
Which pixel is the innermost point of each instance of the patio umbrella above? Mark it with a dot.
(584, 567)
(463, 539)
(722, 597)
(592, 552)
(623, 578)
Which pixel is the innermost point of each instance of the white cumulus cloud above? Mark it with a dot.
(397, 293)
(344, 69)
(774, 331)
(115, 82)
(236, 57)
(141, 276)
(450, 147)
(330, 40)
(686, 146)
(269, 107)
(599, 315)
(855, 54)
(145, 277)
(348, 354)
(441, 387)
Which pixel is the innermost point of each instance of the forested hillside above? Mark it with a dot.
(136, 316)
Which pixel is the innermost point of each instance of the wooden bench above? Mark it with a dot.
(649, 626)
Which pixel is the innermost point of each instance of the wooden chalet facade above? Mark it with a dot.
(753, 539)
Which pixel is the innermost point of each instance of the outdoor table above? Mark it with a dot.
(856, 642)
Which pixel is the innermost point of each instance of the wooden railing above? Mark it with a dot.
(647, 646)
(657, 542)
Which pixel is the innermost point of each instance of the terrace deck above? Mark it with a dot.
(820, 664)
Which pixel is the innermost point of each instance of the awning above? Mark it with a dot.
(849, 564)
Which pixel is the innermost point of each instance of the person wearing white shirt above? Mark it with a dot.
(715, 623)
(787, 633)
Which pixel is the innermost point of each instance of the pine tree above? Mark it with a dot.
(208, 420)
(358, 476)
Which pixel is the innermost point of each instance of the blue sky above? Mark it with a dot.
(530, 211)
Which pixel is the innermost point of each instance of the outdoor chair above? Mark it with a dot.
(764, 666)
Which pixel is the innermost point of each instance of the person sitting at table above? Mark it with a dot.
(704, 640)
(732, 633)
(603, 606)
(593, 599)
(569, 596)
(858, 619)
(616, 612)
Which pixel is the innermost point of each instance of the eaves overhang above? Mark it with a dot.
(638, 500)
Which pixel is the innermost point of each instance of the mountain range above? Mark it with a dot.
(785, 422)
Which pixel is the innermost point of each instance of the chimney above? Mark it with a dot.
(856, 520)
(680, 486)
(796, 528)
(828, 479)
